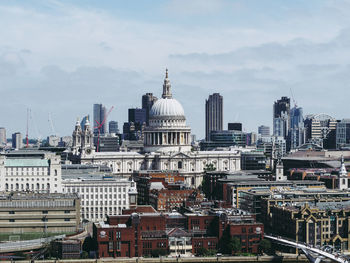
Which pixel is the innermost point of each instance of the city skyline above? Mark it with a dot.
(251, 59)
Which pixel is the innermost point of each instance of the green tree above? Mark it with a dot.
(264, 245)
(209, 167)
(235, 245)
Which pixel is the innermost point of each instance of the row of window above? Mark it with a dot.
(101, 196)
(27, 179)
(110, 202)
(93, 189)
(27, 186)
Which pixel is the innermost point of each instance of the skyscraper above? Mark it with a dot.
(147, 102)
(297, 130)
(264, 131)
(137, 115)
(99, 116)
(281, 117)
(17, 140)
(113, 127)
(2, 136)
(343, 134)
(213, 114)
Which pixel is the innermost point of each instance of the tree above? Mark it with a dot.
(264, 245)
(209, 167)
(235, 245)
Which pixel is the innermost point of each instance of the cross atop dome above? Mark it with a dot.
(166, 87)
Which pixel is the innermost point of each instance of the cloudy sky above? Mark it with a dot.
(60, 57)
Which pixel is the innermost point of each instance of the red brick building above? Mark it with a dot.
(132, 235)
(144, 232)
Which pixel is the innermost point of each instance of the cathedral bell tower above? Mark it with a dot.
(87, 142)
(77, 134)
(343, 176)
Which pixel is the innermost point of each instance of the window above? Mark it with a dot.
(11, 220)
(45, 212)
(67, 219)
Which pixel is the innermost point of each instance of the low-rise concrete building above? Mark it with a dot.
(24, 212)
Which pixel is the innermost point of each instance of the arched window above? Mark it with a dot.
(55, 172)
(179, 165)
(6, 187)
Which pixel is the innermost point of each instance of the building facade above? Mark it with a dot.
(102, 196)
(24, 212)
(264, 131)
(99, 116)
(3, 139)
(17, 142)
(30, 171)
(343, 134)
(213, 114)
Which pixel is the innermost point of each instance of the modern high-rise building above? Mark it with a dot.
(137, 115)
(281, 117)
(17, 140)
(264, 131)
(147, 102)
(343, 134)
(113, 127)
(234, 126)
(99, 116)
(82, 123)
(321, 129)
(297, 130)
(3, 140)
(213, 114)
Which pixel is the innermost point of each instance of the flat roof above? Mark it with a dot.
(27, 162)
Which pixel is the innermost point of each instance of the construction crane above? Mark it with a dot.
(51, 124)
(295, 103)
(98, 127)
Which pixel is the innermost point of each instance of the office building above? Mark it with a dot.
(136, 115)
(147, 102)
(109, 143)
(281, 117)
(24, 212)
(224, 139)
(3, 139)
(320, 129)
(113, 127)
(30, 171)
(101, 195)
(17, 142)
(264, 131)
(234, 126)
(343, 134)
(297, 130)
(83, 120)
(213, 114)
(99, 117)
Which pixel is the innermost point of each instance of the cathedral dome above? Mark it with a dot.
(167, 107)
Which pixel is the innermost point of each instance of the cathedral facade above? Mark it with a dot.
(167, 146)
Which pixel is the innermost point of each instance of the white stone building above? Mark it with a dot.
(30, 171)
(167, 146)
(101, 196)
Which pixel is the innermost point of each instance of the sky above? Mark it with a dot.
(58, 58)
